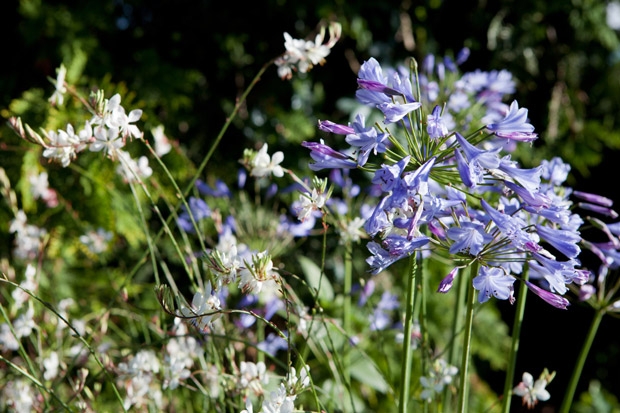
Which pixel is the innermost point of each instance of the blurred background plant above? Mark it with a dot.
(186, 63)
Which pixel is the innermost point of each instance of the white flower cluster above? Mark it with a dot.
(22, 326)
(440, 375)
(252, 377)
(107, 131)
(29, 283)
(18, 396)
(137, 375)
(181, 351)
(28, 238)
(96, 241)
(230, 262)
(283, 398)
(39, 188)
(301, 55)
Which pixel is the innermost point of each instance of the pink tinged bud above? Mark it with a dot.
(593, 198)
(553, 299)
(446, 284)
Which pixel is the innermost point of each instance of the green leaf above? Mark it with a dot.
(316, 279)
(366, 372)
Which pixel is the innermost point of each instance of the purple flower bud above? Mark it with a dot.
(553, 299)
(327, 158)
(517, 136)
(441, 71)
(331, 127)
(428, 64)
(375, 86)
(598, 209)
(450, 65)
(462, 56)
(593, 198)
(446, 284)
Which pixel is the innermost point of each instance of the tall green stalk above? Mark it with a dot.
(348, 275)
(581, 361)
(469, 319)
(405, 381)
(514, 348)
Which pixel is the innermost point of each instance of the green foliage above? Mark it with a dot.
(598, 400)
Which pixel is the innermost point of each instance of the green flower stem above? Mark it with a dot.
(514, 348)
(421, 316)
(405, 382)
(240, 103)
(457, 328)
(348, 274)
(581, 360)
(469, 318)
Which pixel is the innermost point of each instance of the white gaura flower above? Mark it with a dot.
(533, 391)
(613, 15)
(263, 164)
(308, 203)
(29, 283)
(132, 170)
(51, 365)
(162, 143)
(204, 309)
(253, 376)
(108, 140)
(63, 146)
(253, 276)
(279, 401)
(302, 55)
(58, 97)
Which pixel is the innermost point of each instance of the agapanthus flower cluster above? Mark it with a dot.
(441, 159)
(301, 55)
